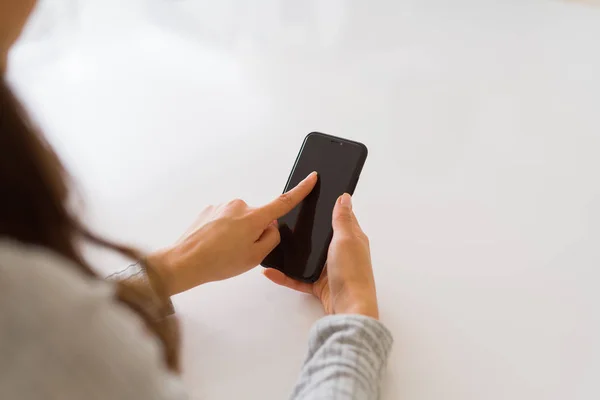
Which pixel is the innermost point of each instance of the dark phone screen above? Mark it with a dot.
(306, 231)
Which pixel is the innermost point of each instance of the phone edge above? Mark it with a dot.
(365, 152)
(356, 176)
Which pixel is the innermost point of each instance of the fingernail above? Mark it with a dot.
(312, 174)
(346, 200)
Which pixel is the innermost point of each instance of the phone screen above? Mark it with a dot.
(306, 231)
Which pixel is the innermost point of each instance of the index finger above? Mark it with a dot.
(286, 202)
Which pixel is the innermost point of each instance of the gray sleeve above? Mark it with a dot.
(63, 336)
(346, 358)
(137, 276)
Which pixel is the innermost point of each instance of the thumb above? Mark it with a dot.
(343, 217)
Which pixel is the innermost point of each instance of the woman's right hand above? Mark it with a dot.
(347, 285)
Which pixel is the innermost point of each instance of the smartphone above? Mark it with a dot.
(306, 231)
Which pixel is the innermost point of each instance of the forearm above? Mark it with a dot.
(346, 358)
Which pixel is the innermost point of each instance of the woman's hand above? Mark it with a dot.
(347, 285)
(226, 241)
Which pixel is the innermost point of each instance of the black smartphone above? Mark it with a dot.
(306, 231)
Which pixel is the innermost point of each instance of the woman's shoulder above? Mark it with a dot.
(42, 292)
(55, 319)
(32, 275)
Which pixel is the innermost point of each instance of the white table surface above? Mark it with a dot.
(481, 193)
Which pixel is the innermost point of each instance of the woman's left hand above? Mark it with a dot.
(226, 241)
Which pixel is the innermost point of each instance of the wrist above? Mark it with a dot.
(360, 302)
(160, 263)
(363, 309)
(178, 273)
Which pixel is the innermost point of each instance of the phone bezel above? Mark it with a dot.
(354, 181)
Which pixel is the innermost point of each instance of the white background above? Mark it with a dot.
(480, 195)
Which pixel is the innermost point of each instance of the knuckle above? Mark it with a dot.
(346, 241)
(343, 217)
(207, 210)
(365, 239)
(286, 199)
(360, 234)
(237, 203)
(353, 239)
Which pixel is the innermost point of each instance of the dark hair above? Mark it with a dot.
(34, 211)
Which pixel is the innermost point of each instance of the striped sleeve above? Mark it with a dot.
(346, 358)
